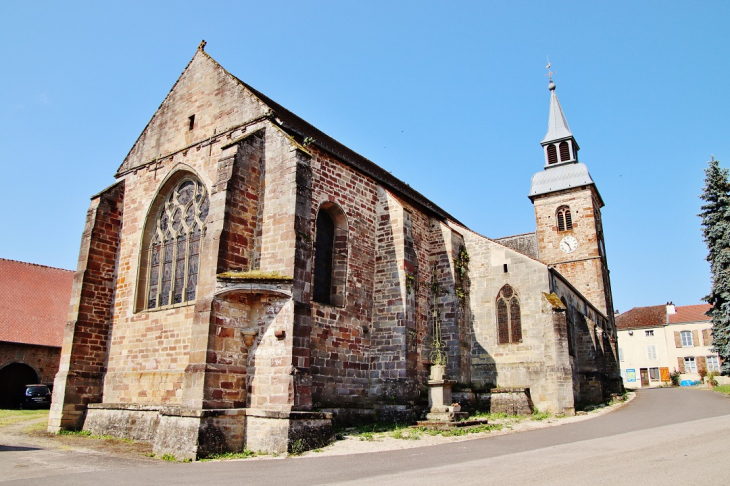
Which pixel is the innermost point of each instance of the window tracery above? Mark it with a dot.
(509, 318)
(175, 247)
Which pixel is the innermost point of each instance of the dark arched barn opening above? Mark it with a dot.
(13, 379)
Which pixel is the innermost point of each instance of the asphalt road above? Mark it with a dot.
(664, 437)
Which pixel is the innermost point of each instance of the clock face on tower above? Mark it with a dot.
(568, 244)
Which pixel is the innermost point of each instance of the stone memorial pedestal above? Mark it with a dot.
(439, 398)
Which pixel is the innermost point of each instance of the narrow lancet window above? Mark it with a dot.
(565, 221)
(330, 256)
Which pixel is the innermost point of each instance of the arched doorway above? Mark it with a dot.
(13, 379)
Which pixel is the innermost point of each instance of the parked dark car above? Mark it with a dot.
(36, 396)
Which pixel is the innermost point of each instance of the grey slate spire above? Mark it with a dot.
(558, 128)
(562, 169)
(559, 144)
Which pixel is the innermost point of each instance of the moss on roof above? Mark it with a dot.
(255, 275)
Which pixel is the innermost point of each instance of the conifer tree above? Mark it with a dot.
(716, 230)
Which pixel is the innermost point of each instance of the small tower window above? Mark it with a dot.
(565, 222)
(191, 122)
(552, 154)
(564, 151)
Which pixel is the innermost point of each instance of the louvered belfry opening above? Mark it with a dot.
(564, 151)
(552, 154)
(565, 222)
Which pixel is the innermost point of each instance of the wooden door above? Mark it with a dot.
(644, 377)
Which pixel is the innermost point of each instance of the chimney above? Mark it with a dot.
(671, 309)
(615, 313)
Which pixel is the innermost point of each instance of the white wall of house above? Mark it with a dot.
(643, 348)
(662, 350)
(693, 352)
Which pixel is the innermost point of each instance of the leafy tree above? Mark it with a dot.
(716, 231)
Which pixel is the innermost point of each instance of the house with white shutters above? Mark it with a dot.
(656, 340)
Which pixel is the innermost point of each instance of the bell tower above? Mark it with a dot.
(568, 213)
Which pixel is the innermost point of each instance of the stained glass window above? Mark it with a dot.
(175, 247)
(515, 323)
(509, 319)
(502, 322)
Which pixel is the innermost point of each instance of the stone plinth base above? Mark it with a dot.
(448, 425)
(446, 416)
(183, 433)
(282, 432)
(512, 401)
(193, 434)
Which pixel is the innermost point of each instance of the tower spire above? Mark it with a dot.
(558, 128)
(559, 144)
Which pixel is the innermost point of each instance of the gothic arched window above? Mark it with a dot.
(509, 319)
(552, 154)
(330, 256)
(564, 151)
(174, 244)
(565, 221)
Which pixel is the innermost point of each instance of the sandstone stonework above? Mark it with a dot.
(257, 359)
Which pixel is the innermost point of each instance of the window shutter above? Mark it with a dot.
(706, 337)
(664, 373)
(701, 364)
(678, 341)
(695, 337)
(552, 154)
(680, 362)
(564, 151)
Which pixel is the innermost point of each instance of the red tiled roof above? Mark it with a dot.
(34, 303)
(638, 317)
(690, 313)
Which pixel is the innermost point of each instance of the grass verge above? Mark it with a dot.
(86, 433)
(9, 417)
(724, 389)
(228, 456)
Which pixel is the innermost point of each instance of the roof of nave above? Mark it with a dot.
(34, 302)
(690, 313)
(298, 127)
(639, 317)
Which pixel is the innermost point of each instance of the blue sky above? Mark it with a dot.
(449, 96)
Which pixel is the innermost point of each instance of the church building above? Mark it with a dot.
(248, 281)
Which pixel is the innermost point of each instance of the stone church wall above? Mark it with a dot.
(253, 339)
(84, 353)
(341, 335)
(536, 362)
(592, 340)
